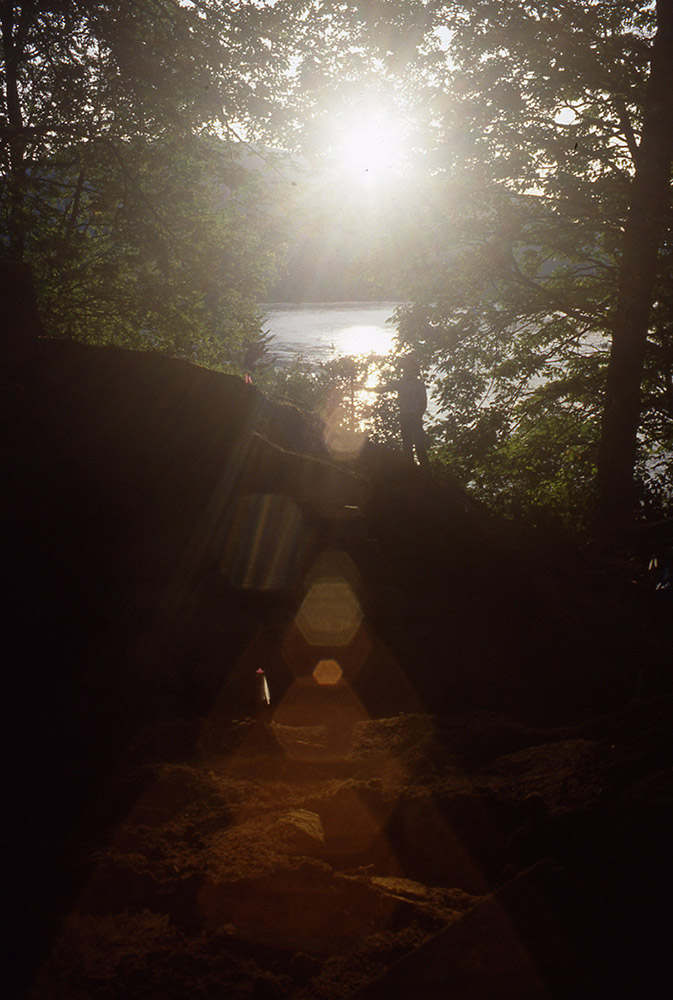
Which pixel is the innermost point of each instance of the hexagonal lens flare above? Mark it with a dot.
(327, 672)
(342, 434)
(330, 614)
(343, 443)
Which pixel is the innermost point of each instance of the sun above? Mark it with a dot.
(370, 145)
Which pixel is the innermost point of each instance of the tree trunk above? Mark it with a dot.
(645, 226)
(13, 39)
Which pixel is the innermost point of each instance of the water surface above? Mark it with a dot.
(319, 331)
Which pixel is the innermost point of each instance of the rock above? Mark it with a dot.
(307, 907)
(270, 469)
(265, 988)
(523, 942)
(300, 829)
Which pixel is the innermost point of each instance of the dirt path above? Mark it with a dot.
(271, 864)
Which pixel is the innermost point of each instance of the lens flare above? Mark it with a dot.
(264, 542)
(342, 437)
(330, 614)
(327, 673)
(335, 564)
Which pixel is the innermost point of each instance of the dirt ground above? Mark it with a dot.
(462, 784)
(269, 864)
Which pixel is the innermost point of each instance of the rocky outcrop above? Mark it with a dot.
(169, 532)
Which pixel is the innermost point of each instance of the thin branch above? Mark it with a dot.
(557, 303)
(626, 126)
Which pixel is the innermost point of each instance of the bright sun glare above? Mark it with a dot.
(371, 145)
(363, 340)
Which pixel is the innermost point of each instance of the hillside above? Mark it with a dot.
(472, 799)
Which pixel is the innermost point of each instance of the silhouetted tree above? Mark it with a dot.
(647, 222)
(547, 132)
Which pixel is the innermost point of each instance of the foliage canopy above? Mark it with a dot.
(124, 184)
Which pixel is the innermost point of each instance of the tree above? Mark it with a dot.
(125, 186)
(648, 219)
(169, 250)
(538, 121)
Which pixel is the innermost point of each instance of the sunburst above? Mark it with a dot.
(370, 145)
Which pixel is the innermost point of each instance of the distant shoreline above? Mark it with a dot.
(336, 304)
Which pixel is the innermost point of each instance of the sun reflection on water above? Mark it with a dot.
(362, 340)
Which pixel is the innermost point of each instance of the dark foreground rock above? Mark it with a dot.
(462, 784)
(535, 937)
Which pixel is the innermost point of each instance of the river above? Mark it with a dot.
(320, 331)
